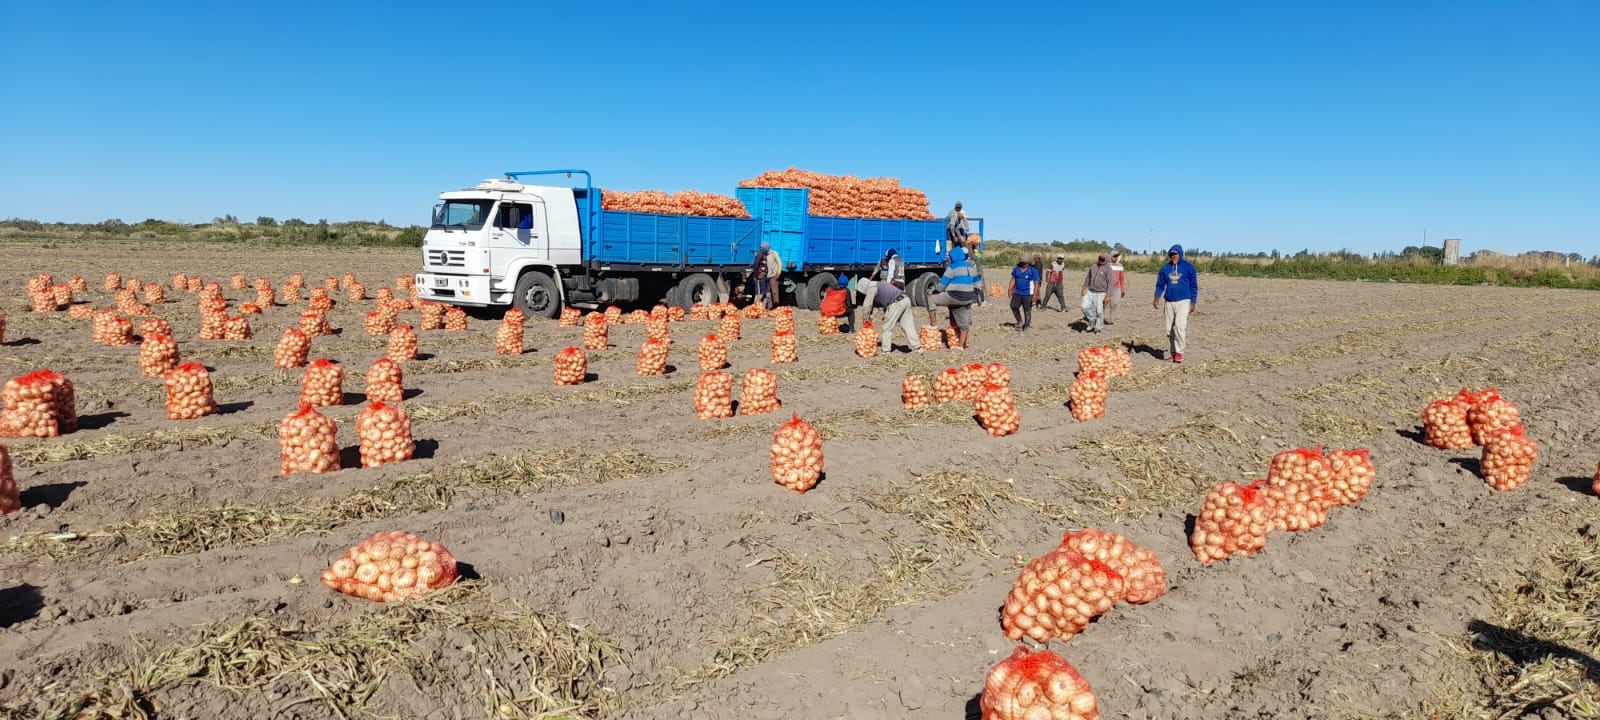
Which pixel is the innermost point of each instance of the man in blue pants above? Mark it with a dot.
(1178, 285)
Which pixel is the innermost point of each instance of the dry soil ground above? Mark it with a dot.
(631, 561)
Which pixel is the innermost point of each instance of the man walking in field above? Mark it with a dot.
(1119, 287)
(1178, 285)
(1054, 276)
(1096, 283)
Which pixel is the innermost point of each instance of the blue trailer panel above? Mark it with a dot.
(629, 238)
(856, 241)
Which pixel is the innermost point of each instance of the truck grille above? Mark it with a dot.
(448, 258)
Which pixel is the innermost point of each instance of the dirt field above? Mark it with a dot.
(630, 561)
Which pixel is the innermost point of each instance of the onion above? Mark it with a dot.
(595, 328)
(158, 353)
(236, 328)
(508, 338)
(713, 395)
(783, 320)
(455, 320)
(728, 328)
(1057, 594)
(314, 323)
(867, 340)
(947, 386)
(391, 566)
(1353, 474)
(308, 442)
(653, 357)
(1489, 413)
(1508, 457)
(1234, 519)
(785, 349)
(378, 323)
(402, 343)
(914, 392)
(848, 196)
(713, 353)
(656, 328)
(997, 410)
(796, 455)
(292, 349)
(1036, 686)
(758, 394)
(1444, 424)
(1088, 394)
(189, 392)
(385, 433)
(571, 366)
(1143, 578)
(39, 404)
(323, 384)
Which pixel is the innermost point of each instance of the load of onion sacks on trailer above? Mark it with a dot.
(850, 196)
(687, 202)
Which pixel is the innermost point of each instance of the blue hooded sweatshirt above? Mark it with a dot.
(1178, 282)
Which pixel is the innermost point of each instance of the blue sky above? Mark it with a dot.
(1223, 125)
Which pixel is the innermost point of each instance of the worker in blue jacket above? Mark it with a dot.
(1178, 285)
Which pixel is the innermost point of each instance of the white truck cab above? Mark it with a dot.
(484, 241)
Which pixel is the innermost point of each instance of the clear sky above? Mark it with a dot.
(1224, 125)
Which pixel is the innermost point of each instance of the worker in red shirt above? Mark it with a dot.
(1119, 287)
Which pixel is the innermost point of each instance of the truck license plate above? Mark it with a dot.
(439, 282)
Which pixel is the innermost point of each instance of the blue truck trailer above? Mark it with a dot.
(544, 247)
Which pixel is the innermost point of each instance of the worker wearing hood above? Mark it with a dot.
(1178, 285)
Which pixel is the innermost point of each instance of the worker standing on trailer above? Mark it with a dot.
(1178, 285)
(1119, 287)
(955, 232)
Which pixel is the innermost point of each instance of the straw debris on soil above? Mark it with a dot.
(807, 604)
(40, 452)
(524, 664)
(1539, 651)
(192, 531)
(1156, 473)
(956, 505)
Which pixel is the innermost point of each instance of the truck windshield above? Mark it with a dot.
(465, 214)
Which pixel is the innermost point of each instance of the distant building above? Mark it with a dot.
(1452, 251)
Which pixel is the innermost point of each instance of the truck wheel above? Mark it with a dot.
(697, 288)
(536, 295)
(920, 288)
(817, 288)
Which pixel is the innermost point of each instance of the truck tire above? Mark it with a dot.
(817, 288)
(921, 287)
(536, 295)
(697, 288)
